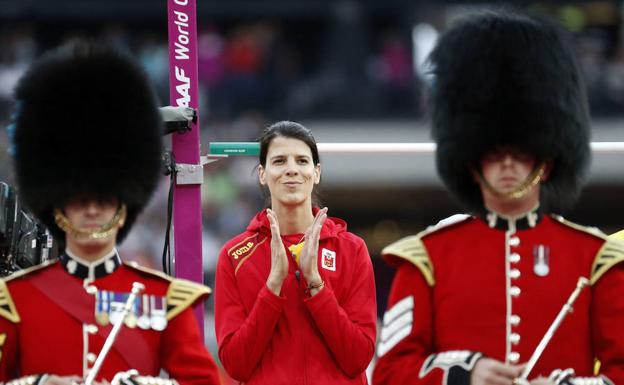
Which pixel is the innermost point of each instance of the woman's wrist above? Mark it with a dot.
(314, 283)
(275, 285)
(314, 287)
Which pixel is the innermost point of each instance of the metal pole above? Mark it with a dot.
(183, 91)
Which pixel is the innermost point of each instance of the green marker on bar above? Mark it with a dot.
(234, 148)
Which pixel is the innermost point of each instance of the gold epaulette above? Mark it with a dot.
(619, 235)
(7, 307)
(609, 255)
(181, 294)
(413, 250)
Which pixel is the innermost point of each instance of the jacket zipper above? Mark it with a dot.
(301, 308)
(303, 339)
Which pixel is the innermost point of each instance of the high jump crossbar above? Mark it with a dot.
(225, 149)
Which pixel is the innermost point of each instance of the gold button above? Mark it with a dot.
(514, 320)
(91, 357)
(514, 241)
(514, 357)
(514, 273)
(514, 258)
(92, 329)
(514, 338)
(514, 291)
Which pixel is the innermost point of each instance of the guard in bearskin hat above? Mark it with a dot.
(474, 295)
(87, 155)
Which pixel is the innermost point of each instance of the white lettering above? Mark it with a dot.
(181, 2)
(181, 51)
(183, 17)
(183, 88)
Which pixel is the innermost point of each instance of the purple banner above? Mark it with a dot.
(183, 91)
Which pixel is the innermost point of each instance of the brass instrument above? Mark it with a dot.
(567, 308)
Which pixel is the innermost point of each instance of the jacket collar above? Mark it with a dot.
(524, 221)
(82, 269)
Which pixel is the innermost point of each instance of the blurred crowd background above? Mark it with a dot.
(352, 71)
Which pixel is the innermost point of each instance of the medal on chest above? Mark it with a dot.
(148, 311)
(541, 260)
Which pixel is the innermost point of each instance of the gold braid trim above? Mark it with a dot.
(589, 230)
(619, 235)
(28, 270)
(182, 294)
(609, 255)
(7, 306)
(413, 250)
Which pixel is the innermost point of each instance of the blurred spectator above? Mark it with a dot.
(591, 57)
(154, 55)
(242, 86)
(18, 50)
(392, 69)
(614, 77)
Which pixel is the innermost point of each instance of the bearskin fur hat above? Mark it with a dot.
(86, 126)
(504, 78)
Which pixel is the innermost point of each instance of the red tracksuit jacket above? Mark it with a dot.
(293, 339)
(473, 287)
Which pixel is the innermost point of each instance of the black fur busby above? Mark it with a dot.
(86, 126)
(505, 78)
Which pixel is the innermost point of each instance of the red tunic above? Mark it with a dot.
(48, 325)
(294, 339)
(469, 287)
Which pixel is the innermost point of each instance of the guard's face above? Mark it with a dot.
(88, 215)
(289, 172)
(506, 168)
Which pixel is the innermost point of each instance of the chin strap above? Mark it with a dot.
(98, 233)
(519, 192)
